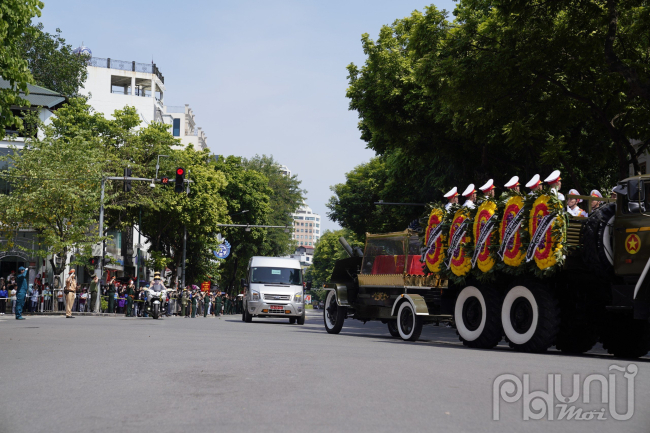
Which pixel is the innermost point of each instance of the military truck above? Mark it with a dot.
(599, 293)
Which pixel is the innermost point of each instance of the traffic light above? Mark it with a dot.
(165, 181)
(93, 261)
(180, 180)
(127, 183)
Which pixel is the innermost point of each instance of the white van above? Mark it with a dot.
(273, 288)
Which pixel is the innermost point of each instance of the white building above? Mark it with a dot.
(113, 84)
(306, 226)
(305, 255)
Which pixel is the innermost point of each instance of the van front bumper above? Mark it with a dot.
(261, 308)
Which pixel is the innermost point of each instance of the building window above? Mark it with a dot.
(177, 128)
(120, 85)
(317, 225)
(143, 87)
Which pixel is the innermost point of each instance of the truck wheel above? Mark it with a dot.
(292, 320)
(333, 315)
(625, 337)
(301, 320)
(530, 318)
(392, 328)
(477, 317)
(577, 333)
(598, 252)
(246, 316)
(409, 325)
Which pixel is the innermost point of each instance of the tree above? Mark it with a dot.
(15, 16)
(55, 191)
(286, 196)
(52, 62)
(327, 251)
(508, 87)
(246, 190)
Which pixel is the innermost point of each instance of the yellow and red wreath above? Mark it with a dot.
(545, 254)
(513, 254)
(436, 253)
(485, 261)
(461, 262)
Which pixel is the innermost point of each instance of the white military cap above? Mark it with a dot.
(575, 192)
(488, 186)
(452, 193)
(595, 193)
(513, 182)
(533, 182)
(469, 190)
(553, 177)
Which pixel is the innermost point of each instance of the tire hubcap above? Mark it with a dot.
(406, 321)
(521, 315)
(472, 313)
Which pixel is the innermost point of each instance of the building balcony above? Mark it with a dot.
(123, 65)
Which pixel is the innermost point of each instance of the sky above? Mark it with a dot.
(262, 77)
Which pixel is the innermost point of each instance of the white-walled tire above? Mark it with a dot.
(530, 317)
(409, 325)
(333, 314)
(477, 315)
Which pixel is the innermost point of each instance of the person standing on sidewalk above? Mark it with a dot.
(21, 292)
(93, 294)
(111, 295)
(70, 292)
(3, 297)
(130, 293)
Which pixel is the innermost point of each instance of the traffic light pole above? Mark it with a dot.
(98, 267)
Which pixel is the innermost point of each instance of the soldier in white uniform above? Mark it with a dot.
(572, 205)
(555, 182)
(534, 184)
(470, 196)
(513, 183)
(594, 203)
(488, 188)
(452, 196)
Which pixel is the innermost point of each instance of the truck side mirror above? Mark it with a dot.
(243, 282)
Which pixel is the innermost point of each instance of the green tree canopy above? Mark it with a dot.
(508, 88)
(15, 18)
(51, 61)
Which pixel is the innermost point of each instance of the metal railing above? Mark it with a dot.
(125, 65)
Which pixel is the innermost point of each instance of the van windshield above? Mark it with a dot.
(264, 275)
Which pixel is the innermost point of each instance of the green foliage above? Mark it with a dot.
(55, 190)
(51, 61)
(507, 88)
(15, 17)
(326, 252)
(286, 197)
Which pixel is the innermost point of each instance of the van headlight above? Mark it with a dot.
(255, 296)
(297, 297)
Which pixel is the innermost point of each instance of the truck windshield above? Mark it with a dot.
(264, 275)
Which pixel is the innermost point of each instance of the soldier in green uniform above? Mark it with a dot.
(217, 304)
(111, 295)
(93, 293)
(184, 300)
(206, 303)
(194, 301)
(226, 305)
(130, 293)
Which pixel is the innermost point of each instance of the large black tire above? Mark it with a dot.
(598, 252)
(292, 320)
(530, 317)
(301, 320)
(392, 328)
(478, 316)
(333, 314)
(409, 325)
(577, 334)
(625, 337)
(246, 316)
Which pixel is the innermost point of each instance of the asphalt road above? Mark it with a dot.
(113, 374)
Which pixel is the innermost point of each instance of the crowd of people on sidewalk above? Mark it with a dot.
(188, 302)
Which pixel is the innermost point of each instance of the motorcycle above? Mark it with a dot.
(156, 302)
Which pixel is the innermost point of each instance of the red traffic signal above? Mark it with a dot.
(180, 171)
(180, 180)
(164, 181)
